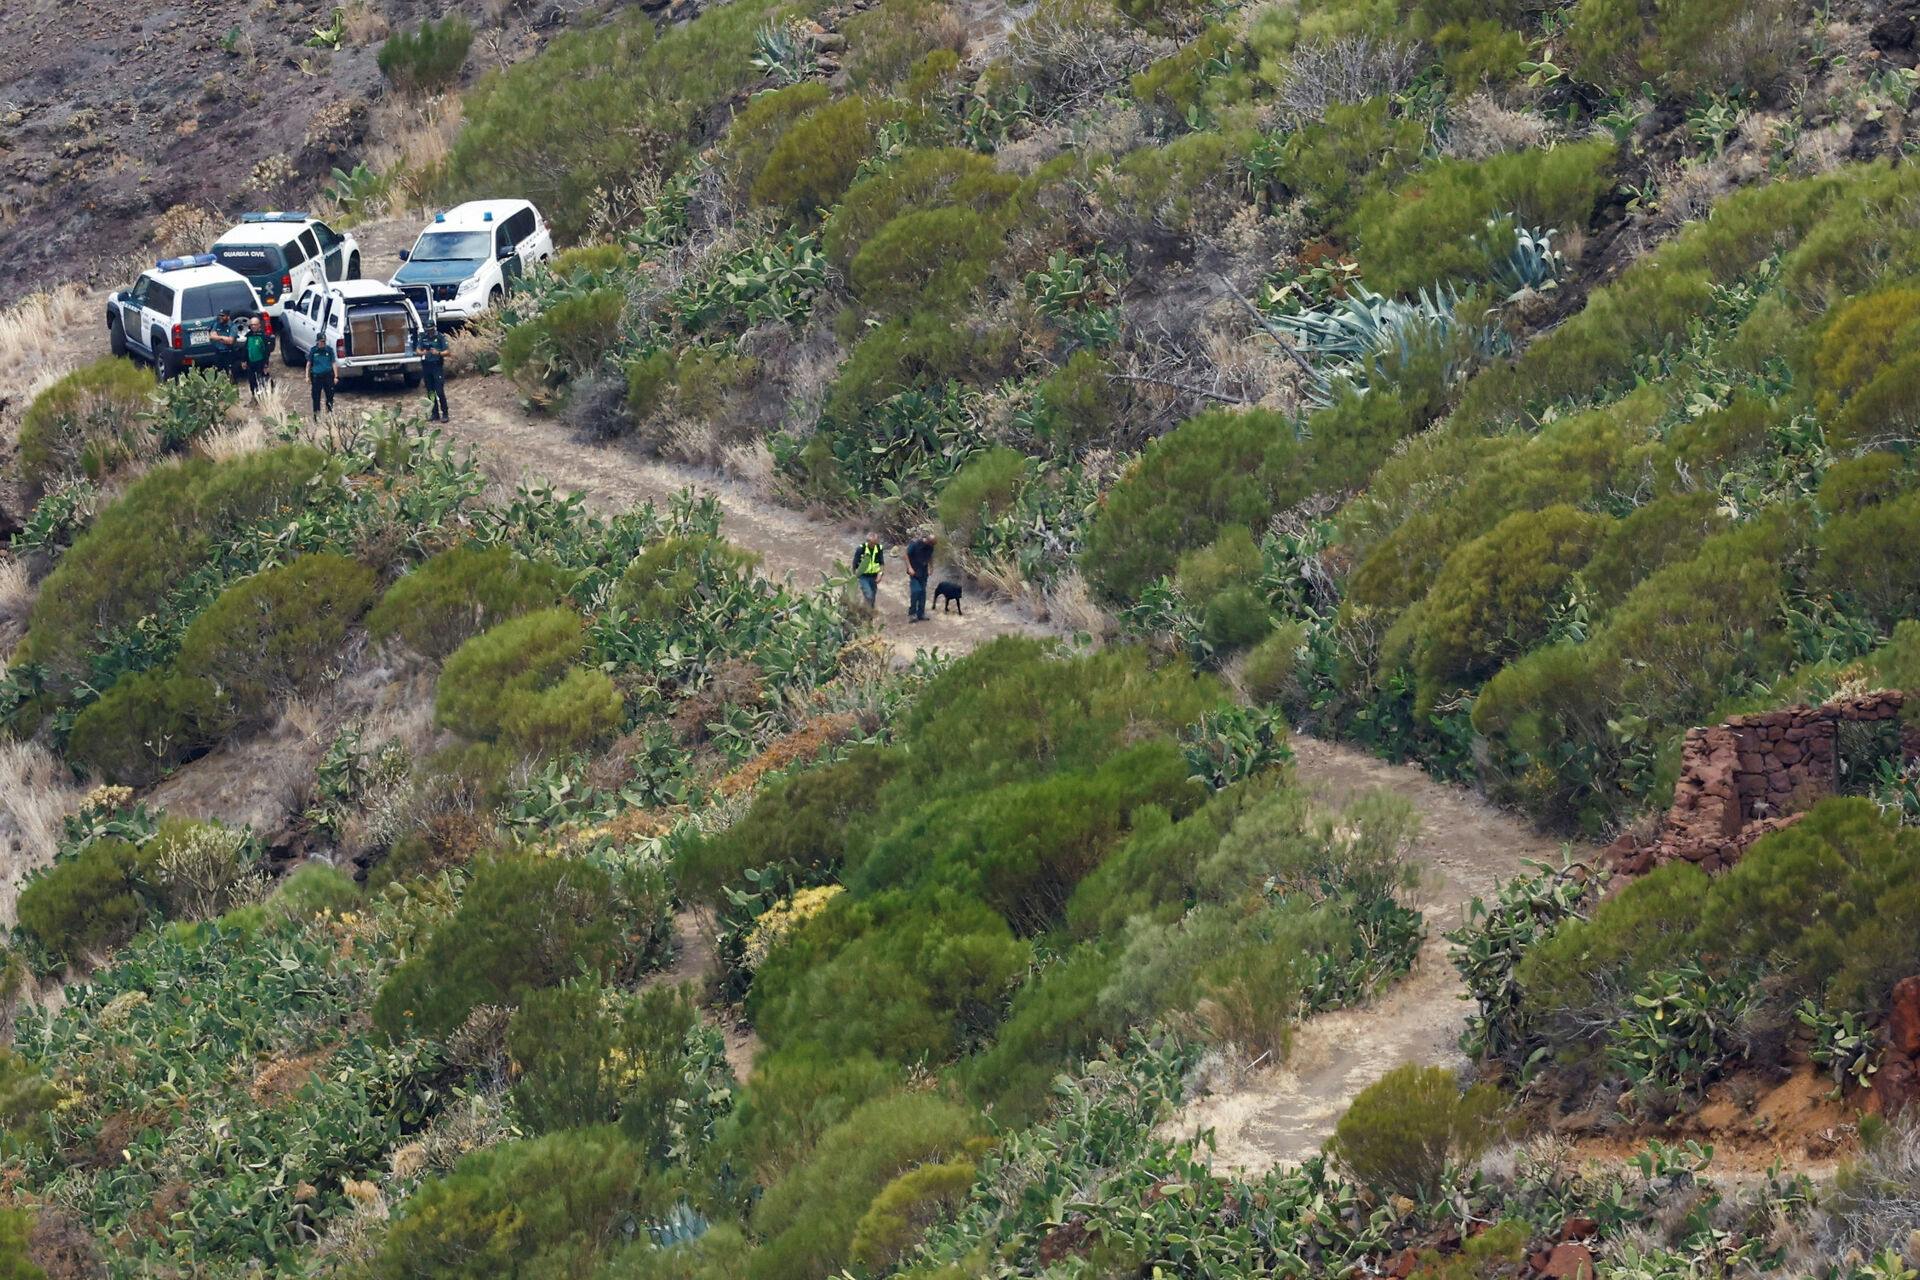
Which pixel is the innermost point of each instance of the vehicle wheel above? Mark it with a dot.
(291, 354)
(353, 267)
(163, 366)
(410, 378)
(493, 298)
(116, 338)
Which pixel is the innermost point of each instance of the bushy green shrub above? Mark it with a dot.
(929, 258)
(1185, 81)
(805, 821)
(1232, 559)
(1648, 539)
(1056, 1020)
(906, 1207)
(919, 180)
(1435, 227)
(981, 490)
(457, 594)
(87, 904)
(145, 725)
(585, 1056)
(568, 340)
(649, 379)
(276, 633)
(797, 1095)
(1271, 671)
(923, 350)
(669, 575)
(16, 1232)
(429, 58)
(815, 160)
(721, 1253)
(589, 260)
(1216, 469)
(885, 42)
(538, 1207)
(196, 871)
(1406, 1129)
(84, 423)
(166, 525)
(1861, 337)
(1870, 556)
(1691, 45)
(517, 684)
(809, 1217)
(1235, 618)
(1493, 599)
(524, 923)
(315, 889)
(1080, 401)
(1160, 190)
(1882, 413)
(758, 126)
(1356, 149)
(1852, 485)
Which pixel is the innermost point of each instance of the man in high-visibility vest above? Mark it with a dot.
(868, 557)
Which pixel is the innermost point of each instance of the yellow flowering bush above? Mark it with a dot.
(784, 917)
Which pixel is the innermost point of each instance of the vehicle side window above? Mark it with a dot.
(141, 288)
(520, 226)
(294, 252)
(308, 243)
(160, 298)
(328, 236)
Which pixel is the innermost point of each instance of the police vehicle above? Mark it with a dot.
(468, 257)
(169, 314)
(282, 254)
(372, 328)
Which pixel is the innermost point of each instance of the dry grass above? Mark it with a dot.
(17, 592)
(36, 792)
(416, 135)
(42, 337)
(752, 464)
(362, 23)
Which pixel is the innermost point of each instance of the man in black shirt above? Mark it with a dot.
(919, 563)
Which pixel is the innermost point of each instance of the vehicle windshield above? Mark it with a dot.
(204, 302)
(250, 259)
(452, 246)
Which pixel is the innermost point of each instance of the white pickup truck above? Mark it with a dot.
(373, 328)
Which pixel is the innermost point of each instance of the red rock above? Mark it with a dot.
(1569, 1262)
(1578, 1229)
(1403, 1264)
(1903, 1019)
(1896, 1087)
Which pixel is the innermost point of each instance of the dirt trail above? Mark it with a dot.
(1281, 1115)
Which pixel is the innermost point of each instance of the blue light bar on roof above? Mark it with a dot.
(439, 217)
(273, 215)
(181, 264)
(486, 215)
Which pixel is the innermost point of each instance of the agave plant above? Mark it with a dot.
(783, 51)
(1532, 265)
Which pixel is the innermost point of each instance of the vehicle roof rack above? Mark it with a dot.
(181, 264)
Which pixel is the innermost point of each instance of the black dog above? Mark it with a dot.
(948, 593)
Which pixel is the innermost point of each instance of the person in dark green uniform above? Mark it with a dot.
(255, 346)
(320, 374)
(432, 346)
(229, 335)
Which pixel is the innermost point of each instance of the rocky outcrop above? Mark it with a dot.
(1897, 1084)
(1750, 776)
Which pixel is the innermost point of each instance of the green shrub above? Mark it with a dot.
(86, 905)
(815, 160)
(1055, 1021)
(525, 923)
(1271, 671)
(276, 633)
(315, 889)
(16, 1230)
(905, 1208)
(1648, 539)
(1434, 228)
(885, 42)
(1869, 556)
(1163, 189)
(1231, 560)
(757, 127)
(589, 260)
(666, 578)
(1851, 485)
(84, 423)
(1406, 1129)
(457, 594)
(1882, 413)
(27, 1103)
(1184, 81)
(1712, 444)
(919, 180)
(1357, 148)
(584, 1057)
(926, 259)
(1494, 597)
(925, 349)
(145, 725)
(517, 684)
(797, 1095)
(1862, 337)
(1691, 45)
(1081, 402)
(568, 340)
(808, 1218)
(805, 821)
(721, 1253)
(649, 379)
(187, 407)
(429, 58)
(540, 1207)
(168, 524)
(981, 491)
(196, 871)
(1235, 618)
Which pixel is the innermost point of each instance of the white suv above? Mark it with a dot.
(169, 314)
(284, 254)
(372, 327)
(468, 257)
